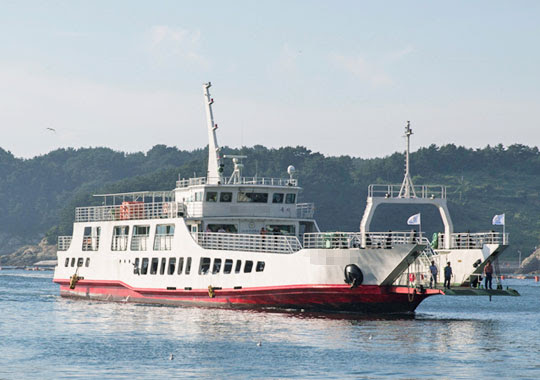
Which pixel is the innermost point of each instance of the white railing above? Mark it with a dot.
(90, 243)
(127, 211)
(248, 242)
(422, 191)
(163, 242)
(139, 243)
(119, 243)
(473, 240)
(240, 181)
(354, 239)
(305, 210)
(64, 242)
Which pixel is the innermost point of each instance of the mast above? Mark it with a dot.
(215, 167)
(407, 187)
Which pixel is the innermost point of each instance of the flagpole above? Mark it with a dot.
(504, 229)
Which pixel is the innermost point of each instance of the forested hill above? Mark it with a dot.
(38, 195)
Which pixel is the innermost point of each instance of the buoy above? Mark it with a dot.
(535, 278)
(259, 344)
(502, 277)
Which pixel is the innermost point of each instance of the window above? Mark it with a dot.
(228, 228)
(180, 265)
(277, 198)
(164, 236)
(280, 229)
(225, 197)
(66, 262)
(290, 198)
(204, 265)
(260, 266)
(91, 238)
(163, 265)
(87, 264)
(136, 266)
(248, 266)
(172, 265)
(144, 266)
(217, 266)
(120, 238)
(139, 239)
(73, 261)
(198, 196)
(228, 266)
(211, 196)
(188, 265)
(154, 265)
(238, 266)
(252, 197)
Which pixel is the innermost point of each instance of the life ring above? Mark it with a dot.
(225, 197)
(412, 277)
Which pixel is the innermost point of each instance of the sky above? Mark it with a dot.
(338, 77)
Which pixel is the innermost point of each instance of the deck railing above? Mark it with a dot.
(422, 191)
(127, 211)
(305, 210)
(139, 243)
(241, 181)
(163, 242)
(354, 239)
(473, 240)
(248, 242)
(64, 242)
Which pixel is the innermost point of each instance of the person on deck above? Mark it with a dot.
(434, 271)
(488, 272)
(447, 275)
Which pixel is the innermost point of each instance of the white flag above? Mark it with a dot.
(498, 220)
(414, 220)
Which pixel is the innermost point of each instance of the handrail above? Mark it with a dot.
(305, 210)
(186, 182)
(392, 191)
(127, 211)
(473, 240)
(247, 242)
(341, 239)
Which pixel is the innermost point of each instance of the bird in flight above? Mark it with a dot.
(51, 129)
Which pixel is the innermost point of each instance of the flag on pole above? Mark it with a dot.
(414, 220)
(498, 220)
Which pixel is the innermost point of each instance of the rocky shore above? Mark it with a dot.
(30, 254)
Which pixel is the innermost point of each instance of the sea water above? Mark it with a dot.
(44, 336)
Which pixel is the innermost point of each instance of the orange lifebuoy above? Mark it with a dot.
(412, 277)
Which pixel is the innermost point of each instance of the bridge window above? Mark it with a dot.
(280, 229)
(211, 196)
(277, 198)
(260, 266)
(204, 265)
(120, 238)
(290, 198)
(228, 266)
(248, 266)
(225, 196)
(252, 197)
(228, 228)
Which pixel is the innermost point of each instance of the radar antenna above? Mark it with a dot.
(215, 166)
(407, 187)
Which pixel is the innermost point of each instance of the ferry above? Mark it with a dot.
(237, 242)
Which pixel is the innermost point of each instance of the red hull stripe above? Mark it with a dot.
(308, 296)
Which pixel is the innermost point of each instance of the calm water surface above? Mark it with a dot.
(43, 336)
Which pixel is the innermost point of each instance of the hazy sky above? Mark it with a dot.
(339, 77)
